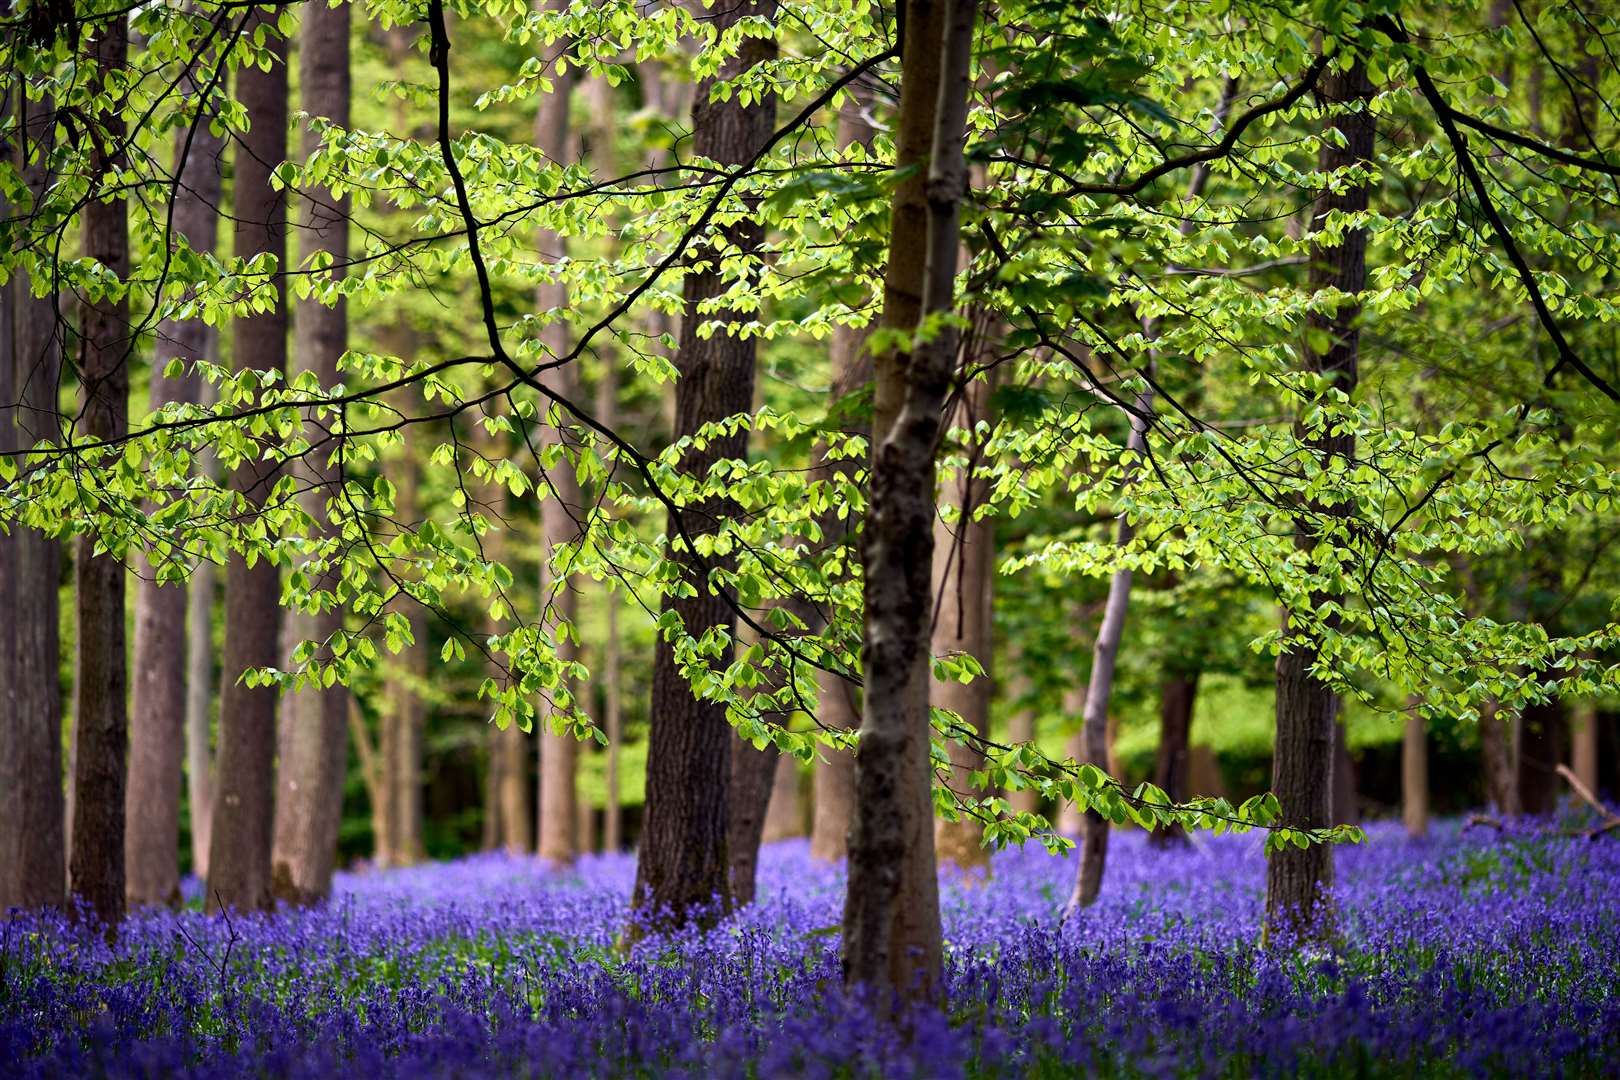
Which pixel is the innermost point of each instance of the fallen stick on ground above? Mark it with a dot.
(1610, 819)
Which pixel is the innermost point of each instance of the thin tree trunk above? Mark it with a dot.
(1346, 809)
(1496, 753)
(33, 867)
(834, 777)
(159, 702)
(243, 818)
(684, 864)
(1415, 774)
(964, 576)
(101, 726)
(200, 677)
(561, 510)
(1584, 748)
(404, 714)
(891, 943)
(784, 813)
(313, 740)
(1178, 693)
(1297, 881)
(607, 411)
(1100, 688)
(752, 773)
(1021, 730)
(1541, 751)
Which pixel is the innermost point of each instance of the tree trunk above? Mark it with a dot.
(607, 411)
(561, 510)
(159, 704)
(752, 772)
(1094, 734)
(839, 701)
(1346, 808)
(101, 726)
(243, 819)
(313, 740)
(1496, 753)
(201, 681)
(784, 813)
(891, 943)
(1172, 766)
(1297, 881)
(33, 869)
(1415, 774)
(1021, 730)
(1541, 751)
(963, 580)
(1584, 748)
(684, 866)
(404, 714)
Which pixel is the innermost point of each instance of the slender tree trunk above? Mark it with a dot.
(834, 777)
(607, 411)
(1021, 730)
(1172, 767)
(561, 510)
(891, 941)
(1415, 774)
(752, 773)
(33, 868)
(684, 864)
(313, 740)
(1100, 688)
(200, 676)
(784, 813)
(1297, 881)
(1584, 748)
(101, 727)
(964, 577)
(1496, 753)
(1346, 809)
(1541, 751)
(243, 819)
(1074, 705)
(404, 713)
(159, 699)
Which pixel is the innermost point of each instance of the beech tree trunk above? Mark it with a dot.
(159, 702)
(1541, 751)
(1346, 808)
(1297, 881)
(838, 700)
(752, 773)
(684, 868)
(1172, 766)
(313, 739)
(33, 866)
(561, 509)
(1415, 775)
(1020, 730)
(243, 814)
(1094, 734)
(607, 411)
(891, 943)
(1584, 749)
(201, 681)
(101, 726)
(784, 812)
(1497, 755)
(963, 581)
(404, 713)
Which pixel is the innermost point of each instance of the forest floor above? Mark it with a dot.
(1476, 951)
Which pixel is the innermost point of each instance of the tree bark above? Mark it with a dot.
(1172, 766)
(891, 943)
(1297, 881)
(1541, 751)
(684, 868)
(1496, 753)
(404, 714)
(752, 772)
(1094, 733)
(243, 819)
(159, 704)
(1584, 748)
(1346, 808)
(963, 580)
(313, 739)
(201, 681)
(33, 867)
(784, 813)
(561, 509)
(101, 726)
(1415, 774)
(607, 411)
(839, 702)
